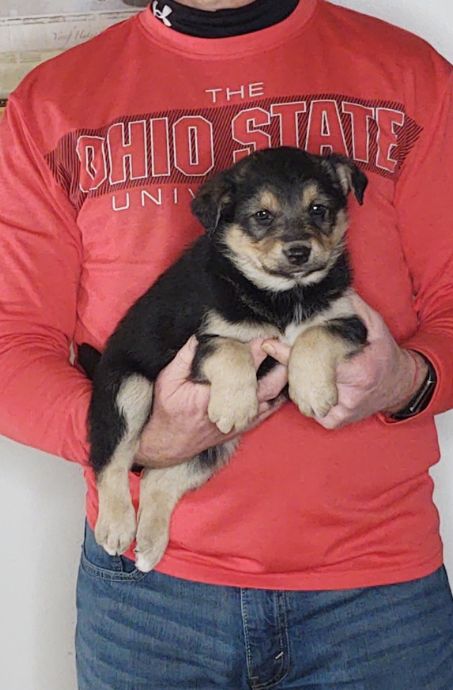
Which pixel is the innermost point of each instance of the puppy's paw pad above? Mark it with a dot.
(115, 536)
(116, 541)
(147, 561)
(234, 422)
(233, 410)
(152, 540)
(149, 555)
(224, 424)
(316, 402)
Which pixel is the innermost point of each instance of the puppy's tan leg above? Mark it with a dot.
(228, 367)
(312, 370)
(115, 526)
(160, 490)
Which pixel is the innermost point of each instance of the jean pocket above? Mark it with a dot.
(97, 562)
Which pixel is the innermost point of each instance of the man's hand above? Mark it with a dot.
(179, 427)
(381, 378)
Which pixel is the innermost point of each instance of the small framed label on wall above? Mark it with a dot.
(32, 31)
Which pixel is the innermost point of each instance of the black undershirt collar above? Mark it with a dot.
(260, 14)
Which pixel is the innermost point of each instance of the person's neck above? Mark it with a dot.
(213, 5)
(221, 18)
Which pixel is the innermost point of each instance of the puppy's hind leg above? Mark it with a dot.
(160, 490)
(116, 524)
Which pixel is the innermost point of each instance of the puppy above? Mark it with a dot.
(272, 264)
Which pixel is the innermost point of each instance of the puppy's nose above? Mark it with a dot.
(297, 254)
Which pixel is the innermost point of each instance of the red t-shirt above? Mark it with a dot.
(101, 150)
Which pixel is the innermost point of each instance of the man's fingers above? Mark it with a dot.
(279, 351)
(335, 419)
(361, 308)
(180, 367)
(371, 318)
(257, 352)
(271, 385)
(266, 409)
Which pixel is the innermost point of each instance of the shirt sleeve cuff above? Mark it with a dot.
(438, 349)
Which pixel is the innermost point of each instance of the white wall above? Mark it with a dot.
(41, 498)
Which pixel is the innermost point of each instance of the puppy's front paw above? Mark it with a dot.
(115, 527)
(314, 400)
(232, 408)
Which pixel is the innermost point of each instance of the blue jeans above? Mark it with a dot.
(155, 632)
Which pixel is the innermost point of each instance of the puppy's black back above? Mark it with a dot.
(164, 318)
(88, 358)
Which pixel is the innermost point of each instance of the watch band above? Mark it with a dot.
(422, 397)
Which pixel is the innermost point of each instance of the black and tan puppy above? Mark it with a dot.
(272, 263)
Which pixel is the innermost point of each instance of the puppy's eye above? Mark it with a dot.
(264, 217)
(318, 211)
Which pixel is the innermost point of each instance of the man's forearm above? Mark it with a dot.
(415, 379)
(43, 399)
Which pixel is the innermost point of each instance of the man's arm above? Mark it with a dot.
(43, 399)
(385, 376)
(424, 200)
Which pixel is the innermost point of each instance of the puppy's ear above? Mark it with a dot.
(212, 200)
(350, 176)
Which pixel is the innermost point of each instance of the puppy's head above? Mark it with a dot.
(280, 214)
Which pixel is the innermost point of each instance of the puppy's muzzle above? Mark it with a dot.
(297, 254)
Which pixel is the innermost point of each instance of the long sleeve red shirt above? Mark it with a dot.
(101, 150)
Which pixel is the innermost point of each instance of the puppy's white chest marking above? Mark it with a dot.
(339, 309)
(293, 330)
